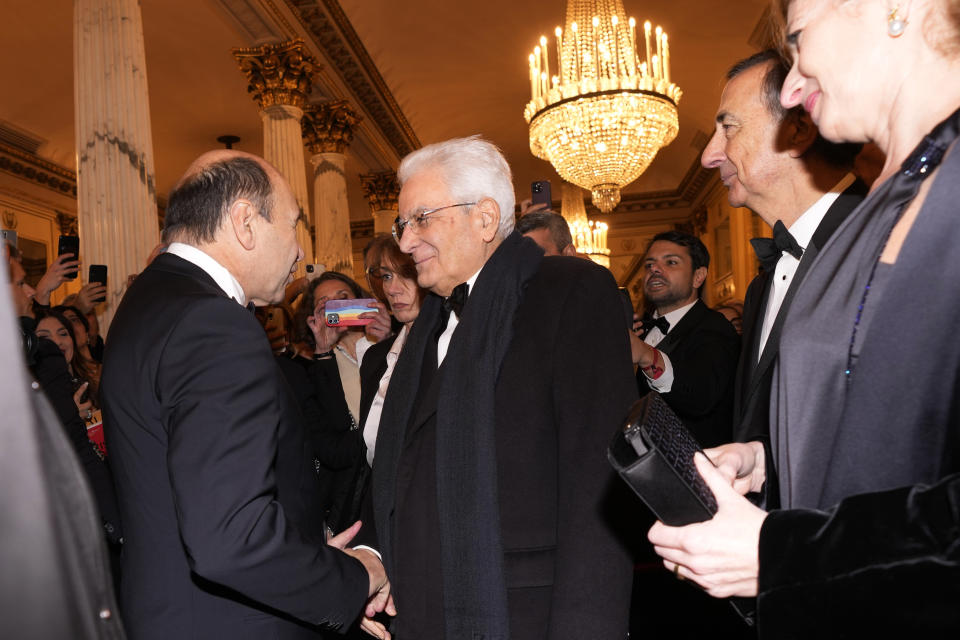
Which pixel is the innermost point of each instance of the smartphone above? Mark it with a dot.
(71, 245)
(343, 313)
(8, 236)
(540, 193)
(314, 270)
(98, 273)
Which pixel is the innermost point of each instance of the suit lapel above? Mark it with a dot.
(687, 324)
(759, 291)
(845, 203)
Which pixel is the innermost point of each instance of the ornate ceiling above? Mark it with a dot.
(418, 71)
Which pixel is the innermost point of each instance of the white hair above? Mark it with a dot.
(472, 169)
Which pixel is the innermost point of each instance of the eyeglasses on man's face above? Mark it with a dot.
(420, 219)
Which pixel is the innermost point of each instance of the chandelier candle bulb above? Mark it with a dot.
(666, 59)
(558, 32)
(646, 32)
(658, 69)
(633, 47)
(546, 58)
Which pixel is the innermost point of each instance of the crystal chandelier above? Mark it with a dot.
(602, 118)
(589, 237)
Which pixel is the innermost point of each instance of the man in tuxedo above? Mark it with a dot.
(490, 475)
(774, 162)
(215, 479)
(689, 351)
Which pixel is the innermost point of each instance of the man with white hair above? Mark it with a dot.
(490, 480)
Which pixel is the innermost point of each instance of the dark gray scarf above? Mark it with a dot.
(474, 588)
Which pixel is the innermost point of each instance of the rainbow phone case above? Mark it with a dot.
(344, 313)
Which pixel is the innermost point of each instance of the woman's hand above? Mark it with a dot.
(722, 554)
(324, 336)
(84, 407)
(380, 327)
(743, 464)
(89, 294)
(65, 265)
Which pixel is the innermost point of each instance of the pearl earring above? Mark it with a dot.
(895, 24)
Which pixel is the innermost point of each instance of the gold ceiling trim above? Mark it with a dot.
(35, 169)
(333, 34)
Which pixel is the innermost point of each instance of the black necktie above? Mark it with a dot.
(769, 250)
(251, 307)
(649, 322)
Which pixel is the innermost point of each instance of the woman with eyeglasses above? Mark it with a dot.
(398, 277)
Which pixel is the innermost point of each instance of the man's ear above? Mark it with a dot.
(569, 250)
(802, 132)
(699, 277)
(489, 212)
(241, 218)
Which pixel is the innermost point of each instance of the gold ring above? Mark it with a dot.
(676, 572)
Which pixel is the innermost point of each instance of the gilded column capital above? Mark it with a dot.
(381, 189)
(278, 74)
(328, 127)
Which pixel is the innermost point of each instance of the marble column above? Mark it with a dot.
(116, 185)
(280, 79)
(382, 190)
(327, 130)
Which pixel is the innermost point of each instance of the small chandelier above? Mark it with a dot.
(601, 120)
(589, 237)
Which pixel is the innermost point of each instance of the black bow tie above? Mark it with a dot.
(455, 301)
(769, 250)
(649, 322)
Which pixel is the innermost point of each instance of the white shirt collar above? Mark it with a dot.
(212, 268)
(806, 225)
(677, 314)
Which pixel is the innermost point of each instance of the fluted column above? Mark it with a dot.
(382, 192)
(328, 130)
(280, 79)
(116, 186)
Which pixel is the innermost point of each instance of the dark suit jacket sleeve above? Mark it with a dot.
(884, 562)
(703, 374)
(223, 391)
(593, 392)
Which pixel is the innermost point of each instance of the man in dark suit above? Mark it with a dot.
(490, 475)
(774, 162)
(689, 351)
(214, 476)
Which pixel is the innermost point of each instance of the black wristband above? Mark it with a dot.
(324, 355)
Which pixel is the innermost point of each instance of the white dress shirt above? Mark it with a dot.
(802, 230)
(444, 342)
(664, 383)
(372, 426)
(212, 268)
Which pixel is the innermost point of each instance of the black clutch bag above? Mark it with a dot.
(654, 455)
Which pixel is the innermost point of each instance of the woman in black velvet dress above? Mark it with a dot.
(865, 411)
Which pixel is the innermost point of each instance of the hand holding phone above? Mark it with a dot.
(346, 313)
(71, 245)
(540, 192)
(98, 274)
